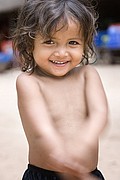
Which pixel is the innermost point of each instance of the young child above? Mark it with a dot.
(61, 99)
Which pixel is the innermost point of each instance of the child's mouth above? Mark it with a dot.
(59, 62)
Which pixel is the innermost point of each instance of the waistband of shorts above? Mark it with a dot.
(39, 169)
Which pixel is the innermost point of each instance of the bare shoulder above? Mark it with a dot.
(89, 69)
(91, 76)
(90, 72)
(24, 78)
(26, 84)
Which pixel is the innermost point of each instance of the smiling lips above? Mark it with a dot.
(59, 63)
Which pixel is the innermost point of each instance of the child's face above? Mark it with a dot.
(62, 52)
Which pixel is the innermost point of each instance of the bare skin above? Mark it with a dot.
(63, 118)
(63, 108)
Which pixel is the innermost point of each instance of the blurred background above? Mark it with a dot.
(8, 15)
(13, 144)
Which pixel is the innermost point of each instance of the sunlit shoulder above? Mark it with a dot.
(87, 70)
(26, 83)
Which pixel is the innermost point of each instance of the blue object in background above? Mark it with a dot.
(101, 39)
(109, 38)
(113, 32)
(5, 58)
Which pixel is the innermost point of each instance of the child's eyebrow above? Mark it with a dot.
(76, 38)
(72, 38)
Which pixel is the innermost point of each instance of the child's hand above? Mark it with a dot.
(60, 160)
(57, 158)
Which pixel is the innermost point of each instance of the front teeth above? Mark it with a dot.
(57, 62)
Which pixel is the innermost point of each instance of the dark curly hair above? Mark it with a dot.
(43, 16)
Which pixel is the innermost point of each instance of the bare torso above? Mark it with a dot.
(66, 103)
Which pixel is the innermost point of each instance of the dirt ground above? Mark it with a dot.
(13, 144)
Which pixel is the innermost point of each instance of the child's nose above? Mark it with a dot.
(61, 52)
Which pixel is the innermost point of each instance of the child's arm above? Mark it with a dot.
(96, 119)
(96, 102)
(94, 123)
(38, 126)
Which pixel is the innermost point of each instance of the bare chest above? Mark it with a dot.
(66, 102)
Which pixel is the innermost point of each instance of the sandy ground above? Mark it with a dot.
(13, 144)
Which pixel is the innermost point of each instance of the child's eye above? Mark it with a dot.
(49, 42)
(73, 43)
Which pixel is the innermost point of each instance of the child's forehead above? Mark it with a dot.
(70, 23)
(70, 26)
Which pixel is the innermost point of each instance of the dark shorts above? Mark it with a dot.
(36, 173)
